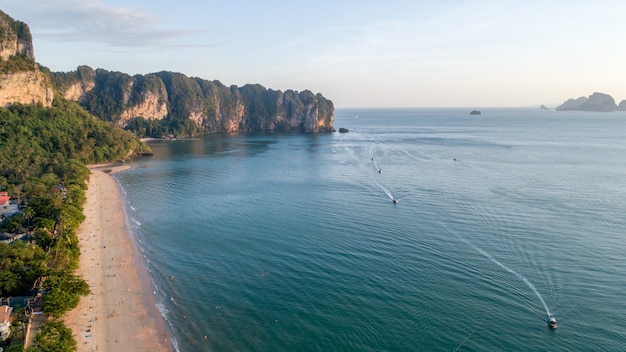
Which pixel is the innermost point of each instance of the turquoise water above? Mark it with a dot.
(276, 242)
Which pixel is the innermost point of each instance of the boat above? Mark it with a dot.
(475, 112)
(395, 201)
(552, 322)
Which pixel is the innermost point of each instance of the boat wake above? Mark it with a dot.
(518, 275)
(382, 187)
(515, 273)
(387, 192)
(375, 163)
(472, 332)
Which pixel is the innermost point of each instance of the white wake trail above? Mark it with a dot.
(518, 275)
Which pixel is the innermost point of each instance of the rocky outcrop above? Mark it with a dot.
(29, 87)
(77, 85)
(149, 107)
(210, 105)
(595, 102)
(188, 104)
(572, 104)
(20, 79)
(15, 39)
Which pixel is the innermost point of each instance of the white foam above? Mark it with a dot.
(163, 310)
(518, 275)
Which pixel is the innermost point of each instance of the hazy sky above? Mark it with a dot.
(392, 53)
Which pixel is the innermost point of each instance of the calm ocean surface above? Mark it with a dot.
(290, 242)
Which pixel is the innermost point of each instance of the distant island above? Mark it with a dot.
(596, 102)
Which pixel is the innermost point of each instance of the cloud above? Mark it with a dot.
(92, 21)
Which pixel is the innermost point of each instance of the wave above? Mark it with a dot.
(163, 310)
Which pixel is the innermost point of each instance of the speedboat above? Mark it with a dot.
(395, 201)
(552, 322)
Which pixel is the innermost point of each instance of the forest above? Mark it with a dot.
(43, 158)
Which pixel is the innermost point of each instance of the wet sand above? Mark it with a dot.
(120, 313)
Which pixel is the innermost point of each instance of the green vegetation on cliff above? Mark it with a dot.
(188, 105)
(16, 63)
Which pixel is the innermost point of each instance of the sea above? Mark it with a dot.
(292, 242)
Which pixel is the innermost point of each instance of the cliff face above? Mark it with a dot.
(28, 87)
(595, 102)
(212, 106)
(150, 107)
(15, 39)
(77, 84)
(191, 104)
(20, 79)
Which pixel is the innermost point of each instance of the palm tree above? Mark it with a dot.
(29, 213)
(17, 189)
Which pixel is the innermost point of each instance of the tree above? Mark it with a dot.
(54, 337)
(43, 238)
(63, 293)
(19, 267)
(29, 213)
(10, 282)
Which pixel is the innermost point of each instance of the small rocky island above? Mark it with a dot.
(596, 102)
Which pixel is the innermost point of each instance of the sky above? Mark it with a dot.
(393, 53)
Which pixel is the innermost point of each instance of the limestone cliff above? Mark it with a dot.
(78, 85)
(20, 78)
(28, 87)
(595, 102)
(149, 107)
(210, 105)
(187, 104)
(15, 39)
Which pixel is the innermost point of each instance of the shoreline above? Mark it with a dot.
(120, 313)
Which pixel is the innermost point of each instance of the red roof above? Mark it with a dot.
(5, 314)
(4, 200)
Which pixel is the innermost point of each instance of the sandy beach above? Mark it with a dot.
(120, 313)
